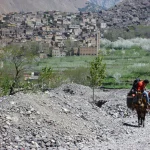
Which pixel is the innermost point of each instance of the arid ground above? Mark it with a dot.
(67, 118)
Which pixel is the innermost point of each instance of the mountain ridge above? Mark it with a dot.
(38, 5)
(46, 5)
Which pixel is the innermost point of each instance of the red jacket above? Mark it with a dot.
(141, 86)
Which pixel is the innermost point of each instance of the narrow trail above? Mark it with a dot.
(130, 136)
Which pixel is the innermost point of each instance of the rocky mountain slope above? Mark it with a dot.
(61, 5)
(66, 118)
(105, 3)
(40, 5)
(126, 13)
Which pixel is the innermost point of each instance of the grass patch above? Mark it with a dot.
(123, 65)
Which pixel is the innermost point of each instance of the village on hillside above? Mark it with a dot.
(52, 29)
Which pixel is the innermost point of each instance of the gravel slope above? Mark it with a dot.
(66, 118)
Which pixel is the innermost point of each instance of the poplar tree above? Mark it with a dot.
(97, 72)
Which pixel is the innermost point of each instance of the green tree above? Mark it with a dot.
(69, 45)
(17, 59)
(33, 48)
(97, 72)
(49, 78)
(46, 75)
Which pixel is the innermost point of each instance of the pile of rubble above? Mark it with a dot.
(66, 118)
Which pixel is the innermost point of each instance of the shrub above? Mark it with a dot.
(77, 75)
(5, 84)
(127, 44)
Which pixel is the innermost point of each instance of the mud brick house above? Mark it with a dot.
(57, 52)
(85, 51)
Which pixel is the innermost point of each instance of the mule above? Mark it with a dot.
(141, 108)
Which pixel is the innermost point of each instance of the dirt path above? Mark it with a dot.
(128, 135)
(67, 119)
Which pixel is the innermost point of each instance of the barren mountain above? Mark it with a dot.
(40, 5)
(61, 5)
(126, 13)
(66, 118)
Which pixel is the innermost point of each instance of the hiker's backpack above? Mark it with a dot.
(132, 93)
(134, 85)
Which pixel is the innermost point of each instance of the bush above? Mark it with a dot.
(5, 84)
(135, 43)
(77, 75)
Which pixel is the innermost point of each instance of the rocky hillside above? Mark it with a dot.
(40, 5)
(105, 4)
(66, 118)
(126, 13)
(97, 5)
(61, 5)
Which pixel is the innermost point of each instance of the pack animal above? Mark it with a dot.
(141, 108)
